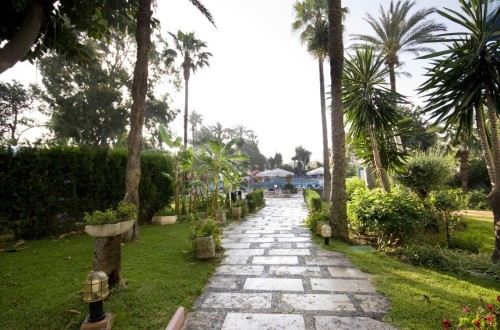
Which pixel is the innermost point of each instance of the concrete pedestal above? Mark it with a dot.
(104, 324)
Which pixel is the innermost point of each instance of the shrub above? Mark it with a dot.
(446, 204)
(387, 215)
(425, 172)
(204, 228)
(477, 200)
(352, 184)
(255, 199)
(55, 187)
(124, 212)
(313, 200)
(313, 218)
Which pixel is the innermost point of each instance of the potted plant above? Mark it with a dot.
(206, 235)
(165, 216)
(237, 210)
(111, 222)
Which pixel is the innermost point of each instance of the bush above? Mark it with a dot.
(425, 172)
(352, 184)
(255, 199)
(313, 200)
(477, 200)
(47, 191)
(446, 203)
(313, 218)
(397, 214)
(205, 228)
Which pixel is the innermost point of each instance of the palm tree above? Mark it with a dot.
(463, 80)
(396, 32)
(338, 199)
(139, 89)
(311, 19)
(194, 58)
(218, 132)
(195, 119)
(370, 106)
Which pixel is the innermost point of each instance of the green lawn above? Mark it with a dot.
(406, 286)
(41, 284)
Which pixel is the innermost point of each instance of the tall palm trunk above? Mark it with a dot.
(464, 167)
(327, 186)
(139, 89)
(381, 172)
(495, 193)
(338, 198)
(186, 65)
(370, 180)
(392, 75)
(481, 131)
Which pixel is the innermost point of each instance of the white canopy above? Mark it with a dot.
(319, 170)
(274, 173)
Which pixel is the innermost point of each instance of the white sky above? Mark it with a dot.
(260, 75)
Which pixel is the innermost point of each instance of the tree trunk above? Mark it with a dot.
(17, 48)
(381, 172)
(108, 257)
(392, 75)
(139, 89)
(338, 199)
(485, 148)
(370, 180)
(186, 65)
(464, 167)
(495, 193)
(327, 177)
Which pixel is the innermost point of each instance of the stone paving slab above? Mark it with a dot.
(272, 276)
(273, 284)
(319, 302)
(248, 321)
(341, 285)
(349, 323)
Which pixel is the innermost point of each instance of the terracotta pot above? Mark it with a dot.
(110, 229)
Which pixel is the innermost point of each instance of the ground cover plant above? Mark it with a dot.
(421, 298)
(41, 283)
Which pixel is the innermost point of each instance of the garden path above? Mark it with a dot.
(273, 276)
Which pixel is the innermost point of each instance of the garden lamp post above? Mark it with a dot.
(95, 290)
(326, 232)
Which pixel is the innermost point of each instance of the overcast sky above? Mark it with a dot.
(260, 75)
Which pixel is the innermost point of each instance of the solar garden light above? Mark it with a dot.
(95, 290)
(326, 232)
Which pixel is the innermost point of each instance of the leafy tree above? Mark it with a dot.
(278, 159)
(194, 58)
(251, 149)
(370, 106)
(421, 135)
(195, 119)
(15, 104)
(396, 32)
(30, 28)
(463, 79)
(338, 197)
(302, 156)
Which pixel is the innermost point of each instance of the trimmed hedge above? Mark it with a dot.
(255, 199)
(313, 200)
(46, 191)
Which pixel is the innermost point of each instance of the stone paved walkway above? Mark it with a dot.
(273, 277)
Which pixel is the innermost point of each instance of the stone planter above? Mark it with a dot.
(320, 224)
(205, 247)
(220, 217)
(164, 219)
(236, 212)
(109, 230)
